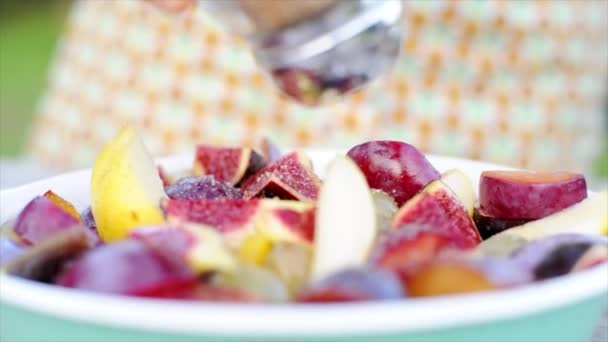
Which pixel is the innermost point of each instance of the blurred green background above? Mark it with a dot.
(29, 32)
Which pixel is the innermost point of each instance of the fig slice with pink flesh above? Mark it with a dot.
(235, 219)
(287, 221)
(408, 246)
(290, 177)
(438, 207)
(226, 164)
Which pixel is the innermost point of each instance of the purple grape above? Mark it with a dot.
(355, 285)
(555, 255)
(206, 187)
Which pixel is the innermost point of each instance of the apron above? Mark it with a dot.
(520, 83)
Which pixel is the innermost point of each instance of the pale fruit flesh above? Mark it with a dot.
(345, 220)
(126, 188)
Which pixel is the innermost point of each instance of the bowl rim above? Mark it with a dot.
(180, 317)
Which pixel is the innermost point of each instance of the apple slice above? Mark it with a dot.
(291, 262)
(287, 221)
(529, 195)
(488, 225)
(290, 177)
(394, 167)
(345, 220)
(385, 207)
(202, 188)
(462, 187)
(40, 219)
(226, 164)
(437, 207)
(201, 247)
(586, 217)
(235, 219)
(256, 282)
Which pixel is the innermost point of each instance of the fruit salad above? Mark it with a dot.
(258, 225)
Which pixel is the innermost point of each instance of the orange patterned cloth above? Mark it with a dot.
(515, 82)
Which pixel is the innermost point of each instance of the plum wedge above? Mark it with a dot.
(41, 219)
(394, 167)
(529, 195)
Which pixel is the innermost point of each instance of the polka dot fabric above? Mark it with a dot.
(514, 82)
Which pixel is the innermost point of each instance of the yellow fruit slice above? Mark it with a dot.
(587, 217)
(255, 249)
(126, 189)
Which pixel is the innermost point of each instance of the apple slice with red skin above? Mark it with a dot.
(40, 219)
(290, 177)
(488, 225)
(394, 167)
(235, 219)
(408, 246)
(128, 267)
(436, 206)
(354, 285)
(226, 164)
(529, 195)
